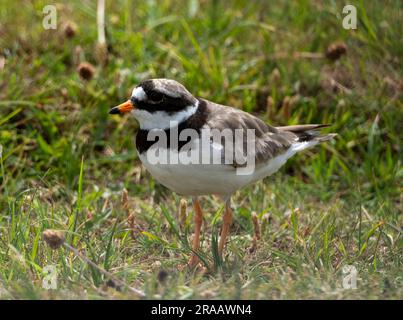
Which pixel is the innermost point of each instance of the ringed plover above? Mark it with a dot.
(184, 124)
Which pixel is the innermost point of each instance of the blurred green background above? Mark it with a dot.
(288, 62)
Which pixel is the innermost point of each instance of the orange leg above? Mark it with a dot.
(227, 219)
(194, 260)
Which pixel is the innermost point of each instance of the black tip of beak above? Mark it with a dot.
(114, 110)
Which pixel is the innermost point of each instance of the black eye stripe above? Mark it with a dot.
(159, 100)
(155, 95)
(169, 105)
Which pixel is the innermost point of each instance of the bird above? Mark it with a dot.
(183, 123)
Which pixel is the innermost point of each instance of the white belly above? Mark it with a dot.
(219, 179)
(197, 179)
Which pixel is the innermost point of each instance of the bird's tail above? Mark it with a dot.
(309, 132)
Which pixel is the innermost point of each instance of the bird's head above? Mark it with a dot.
(159, 104)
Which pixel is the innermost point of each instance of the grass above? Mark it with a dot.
(65, 162)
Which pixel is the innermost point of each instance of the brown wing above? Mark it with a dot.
(268, 142)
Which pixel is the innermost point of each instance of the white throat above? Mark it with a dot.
(162, 119)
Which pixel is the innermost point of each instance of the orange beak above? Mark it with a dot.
(123, 108)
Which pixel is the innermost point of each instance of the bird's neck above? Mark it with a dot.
(195, 122)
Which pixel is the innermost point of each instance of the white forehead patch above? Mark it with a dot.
(139, 94)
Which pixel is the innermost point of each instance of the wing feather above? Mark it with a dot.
(268, 143)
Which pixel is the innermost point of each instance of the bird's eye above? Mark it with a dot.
(155, 96)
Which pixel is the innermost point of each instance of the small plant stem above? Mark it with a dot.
(103, 271)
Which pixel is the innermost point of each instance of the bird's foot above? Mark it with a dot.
(193, 261)
(193, 264)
